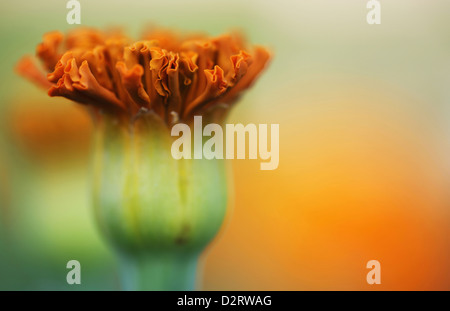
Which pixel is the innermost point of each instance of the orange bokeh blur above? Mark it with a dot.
(352, 186)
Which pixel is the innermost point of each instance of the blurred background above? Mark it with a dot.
(364, 114)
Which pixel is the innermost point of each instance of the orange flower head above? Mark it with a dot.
(171, 75)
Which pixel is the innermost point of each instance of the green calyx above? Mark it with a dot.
(151, 207)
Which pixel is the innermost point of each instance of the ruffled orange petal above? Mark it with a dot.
(27, 68)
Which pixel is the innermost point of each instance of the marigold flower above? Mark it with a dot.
(159, 213)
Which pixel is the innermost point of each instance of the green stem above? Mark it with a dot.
(164, 271)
